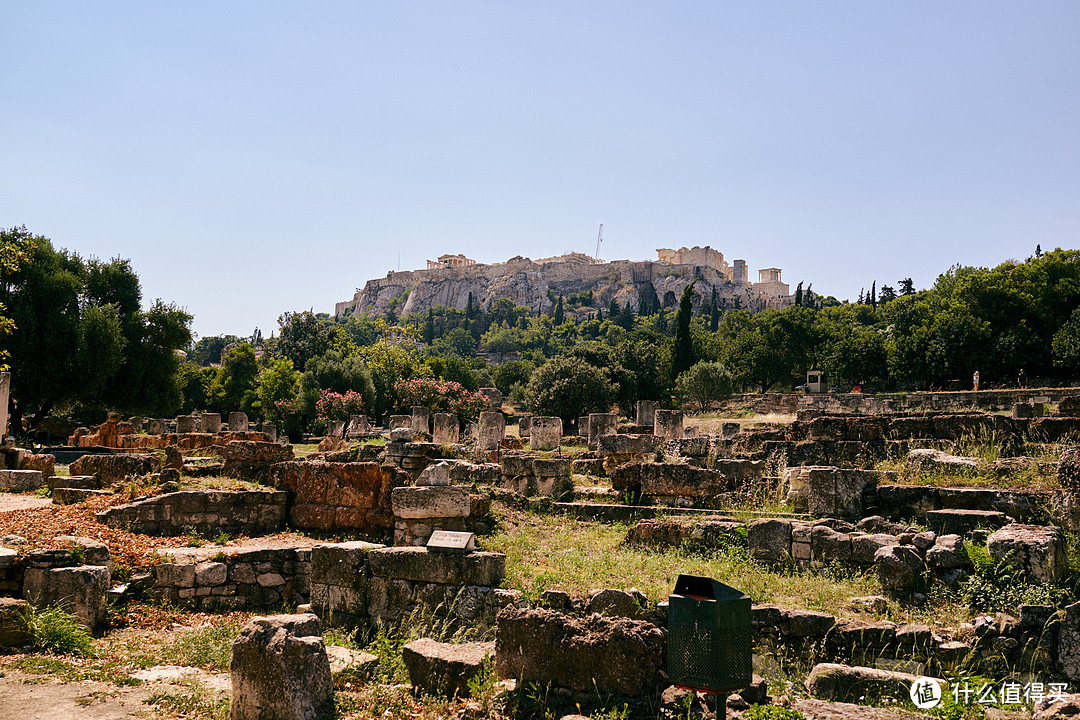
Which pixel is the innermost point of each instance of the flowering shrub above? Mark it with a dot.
(338, 406)
(439, 396)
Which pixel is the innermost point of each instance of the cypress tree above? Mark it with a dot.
(683, 356)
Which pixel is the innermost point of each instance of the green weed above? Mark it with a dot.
(57, 631)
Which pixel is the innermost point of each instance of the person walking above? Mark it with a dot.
(975, 380)
(1021, 379)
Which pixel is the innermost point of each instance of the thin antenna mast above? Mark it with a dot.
(599, 239)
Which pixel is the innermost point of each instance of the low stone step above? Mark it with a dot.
(955, 521)
(70, 495)
(82, 482)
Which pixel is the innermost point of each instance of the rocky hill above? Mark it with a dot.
(538, 284)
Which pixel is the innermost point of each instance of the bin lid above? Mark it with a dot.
(696, 586)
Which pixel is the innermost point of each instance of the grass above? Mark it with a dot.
(193, 700)
(208, 647)
(555, 552)
(57, 631)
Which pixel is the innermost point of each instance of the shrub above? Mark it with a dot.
(57, 631)
(439, 396)
(338, 406)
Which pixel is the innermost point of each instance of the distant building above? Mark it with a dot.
(449, 261)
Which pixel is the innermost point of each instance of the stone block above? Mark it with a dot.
(1038, 551)
(595, 654)
(186, 424)
(645, 412)
(494, 396)
(154, 426)
(898, 566)
(447, 429)
(280, 670)
(444, 669)
(545, 433)
(416, 564)
(853, 684)
(20, 480)
(420, 420)
(668, 425)
(83, 482)
(491, 431)
(238, 422)
(431, 502)
(111, 469)
(601, 424)
(80, 590)
(769, 540)
(437, 474)
(13, 616)
(623, 444)
(210, 423)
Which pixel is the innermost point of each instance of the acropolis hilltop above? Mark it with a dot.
(450, 279)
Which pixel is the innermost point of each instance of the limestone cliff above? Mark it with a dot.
(533, 284)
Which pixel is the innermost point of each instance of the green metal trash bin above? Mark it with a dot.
(710, 643)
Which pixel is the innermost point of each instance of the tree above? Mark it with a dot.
(569, 388)
(80, 335)
(302, 337)
(278, 383)
(560, 314)
(234, 389)
(798, 294)
(335, 372)
(907, 287)
(682, 355)
(703, 383)
(207, 351)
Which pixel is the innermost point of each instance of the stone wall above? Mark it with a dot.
(204, 512)
(338, 496)
(237, 580)
(362, 584)
(419, 511)
(790, 403)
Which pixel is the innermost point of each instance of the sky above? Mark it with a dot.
(256, 157)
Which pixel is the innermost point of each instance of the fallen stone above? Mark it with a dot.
(592, 654)
(847, 683)
(444, 669)
(1038, 551)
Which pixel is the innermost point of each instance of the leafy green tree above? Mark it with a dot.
(234, 388)
(337, 373)
(196, 386)
(81, 336)
(569, 387)
(278, 383)
(509, 374)
(1066, 344)
(207, 351)
(703, 383)
(458, 341)
(303, 336)
(389, 361)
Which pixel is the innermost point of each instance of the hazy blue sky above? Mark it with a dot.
(256, 157)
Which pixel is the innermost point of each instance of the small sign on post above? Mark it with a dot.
(451, 543)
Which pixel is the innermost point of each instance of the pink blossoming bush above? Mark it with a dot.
(439, 396)
(338, 406)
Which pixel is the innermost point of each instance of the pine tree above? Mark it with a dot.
(906, 287)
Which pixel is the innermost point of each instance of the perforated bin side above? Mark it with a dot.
(710, 643)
